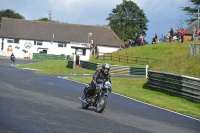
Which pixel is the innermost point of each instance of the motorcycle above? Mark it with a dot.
(99, 98)
(13, 59)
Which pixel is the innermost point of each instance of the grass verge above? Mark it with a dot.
(55, 67)
(135, 88)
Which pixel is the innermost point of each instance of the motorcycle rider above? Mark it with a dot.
(99, 77)
(12, 56)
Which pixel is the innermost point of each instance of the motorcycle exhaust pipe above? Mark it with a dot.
(82, 100)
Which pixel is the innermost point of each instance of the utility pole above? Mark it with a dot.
(198, 18)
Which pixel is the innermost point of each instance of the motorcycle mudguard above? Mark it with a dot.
(106, 94)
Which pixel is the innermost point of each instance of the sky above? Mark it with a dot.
(162, 14)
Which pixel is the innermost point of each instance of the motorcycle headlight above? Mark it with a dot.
(107, 84)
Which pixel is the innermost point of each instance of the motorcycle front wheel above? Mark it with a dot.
(101, 103)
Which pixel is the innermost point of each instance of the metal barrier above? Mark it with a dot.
(48, 56)
(115, 69)
(88, 65)
(184, 86)
(194, 49)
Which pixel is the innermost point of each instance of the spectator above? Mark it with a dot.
(156, 38)
(142, 40)
(194, 33)
(171, 34)
(199, 34)
(153, 40)
(121, 47)
(162, 38)
(182, 35)
(179, 35)
(131, 43)
(126, 45)
(175, 38)
(169, 37)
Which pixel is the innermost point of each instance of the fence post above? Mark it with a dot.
(136, 60)
(147, 67)
(74, 61)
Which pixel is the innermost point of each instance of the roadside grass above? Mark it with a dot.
(184, 65)
(135, 88)
(55, 67)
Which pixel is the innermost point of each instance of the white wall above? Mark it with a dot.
(52, 49)
(85, 57)
(71, 51)
(104, 49)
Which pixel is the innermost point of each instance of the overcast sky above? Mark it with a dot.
(162, 14)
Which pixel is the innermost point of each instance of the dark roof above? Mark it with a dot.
(38, 30)
(188, 30)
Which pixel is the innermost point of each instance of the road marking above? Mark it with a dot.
(30, 69)
(143, 102)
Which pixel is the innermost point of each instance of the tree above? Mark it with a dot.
(48, 19)
(192, 11)
(10, 14)
(45, 19)
(127, 19)
(179, 25)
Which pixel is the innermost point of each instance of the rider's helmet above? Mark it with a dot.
(105, 68)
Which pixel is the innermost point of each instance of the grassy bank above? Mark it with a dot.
(55, 67)
(173, 57)
(135, 88)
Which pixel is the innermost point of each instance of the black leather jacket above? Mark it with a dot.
(100, 77)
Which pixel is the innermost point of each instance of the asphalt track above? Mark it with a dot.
(37, 103)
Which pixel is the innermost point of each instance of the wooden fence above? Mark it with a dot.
(125, 59)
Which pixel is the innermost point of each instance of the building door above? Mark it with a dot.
(77, 59)
(42, 50)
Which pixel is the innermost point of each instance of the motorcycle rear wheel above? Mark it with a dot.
(101, 103)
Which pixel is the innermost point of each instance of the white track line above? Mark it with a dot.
(140, 101)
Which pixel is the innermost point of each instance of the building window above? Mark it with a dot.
(81, 51)
(38, 43)
(15, 40)
(10, 41)
(62, 45)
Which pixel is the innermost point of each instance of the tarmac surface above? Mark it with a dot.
(36, 103)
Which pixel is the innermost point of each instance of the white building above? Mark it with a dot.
(25, 37)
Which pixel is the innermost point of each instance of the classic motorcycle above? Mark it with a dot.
(99, 98)
(13, 59)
